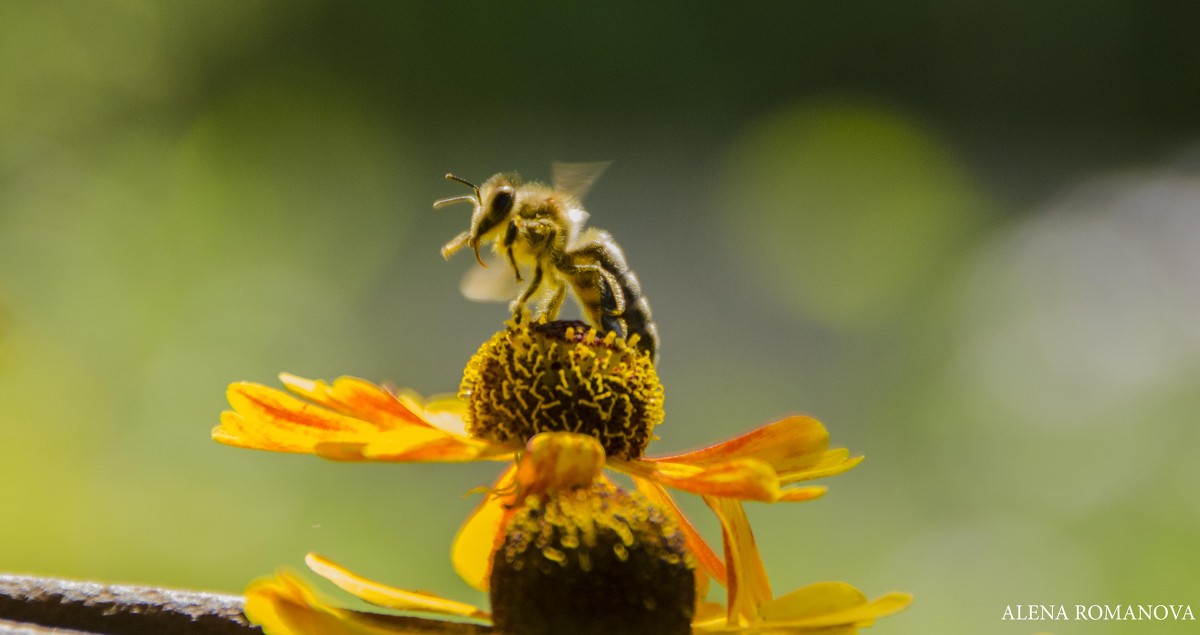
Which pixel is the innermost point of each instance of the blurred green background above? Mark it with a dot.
(966, 237)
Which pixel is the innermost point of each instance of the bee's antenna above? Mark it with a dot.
(465, 198)
(451, 177)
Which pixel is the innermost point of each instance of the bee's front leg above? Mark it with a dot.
(456, 243)
(520, 311)
(510, 237)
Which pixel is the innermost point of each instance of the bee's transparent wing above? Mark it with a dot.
(494, 283)
(576, 178)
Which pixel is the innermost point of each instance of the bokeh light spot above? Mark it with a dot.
(845, 209)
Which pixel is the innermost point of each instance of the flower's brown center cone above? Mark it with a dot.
(592, 561)
(562, 377)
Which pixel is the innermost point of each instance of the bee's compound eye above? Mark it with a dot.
(502, 201)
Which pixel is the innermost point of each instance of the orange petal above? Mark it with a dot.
(447, 449)
(483, 532)
(284, 605)
(788, 444)
(358, 398)
(268, 419)
(705, 556)
(830, 604)
(799, 494)
(743, 479)
(748, 584)
(830, 463)
(386, 596)
(431, 445)
(709, 615)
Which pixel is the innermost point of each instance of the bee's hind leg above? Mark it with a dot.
(613, 299)
(610, 309)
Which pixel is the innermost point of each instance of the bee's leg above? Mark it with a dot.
(608, 319)
(520, 312)
(510, 237)
(618, 296)
(533, 285)
(552, 304)
(456, 243)
(513, 261)
(615, 295)
(604, 257)
(519, 308)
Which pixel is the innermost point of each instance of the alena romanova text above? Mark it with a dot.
(1098, 613)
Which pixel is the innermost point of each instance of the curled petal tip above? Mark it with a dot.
(290, 380)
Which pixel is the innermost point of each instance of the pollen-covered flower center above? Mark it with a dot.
(595, 560)
(562, 377)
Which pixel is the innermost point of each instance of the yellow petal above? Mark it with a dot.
(358, 398)
(705, 556)
(830, 604)
(283, 605)
(788, 444)
(235, 431)
(478, 538)
(748, 584)
(443, 411)
(386, 596)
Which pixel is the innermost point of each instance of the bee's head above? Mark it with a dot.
(493, 203)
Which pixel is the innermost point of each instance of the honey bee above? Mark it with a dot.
(538, 226)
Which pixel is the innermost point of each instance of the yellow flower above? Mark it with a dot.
(580, 556)
(556, 378)
(586, 561)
